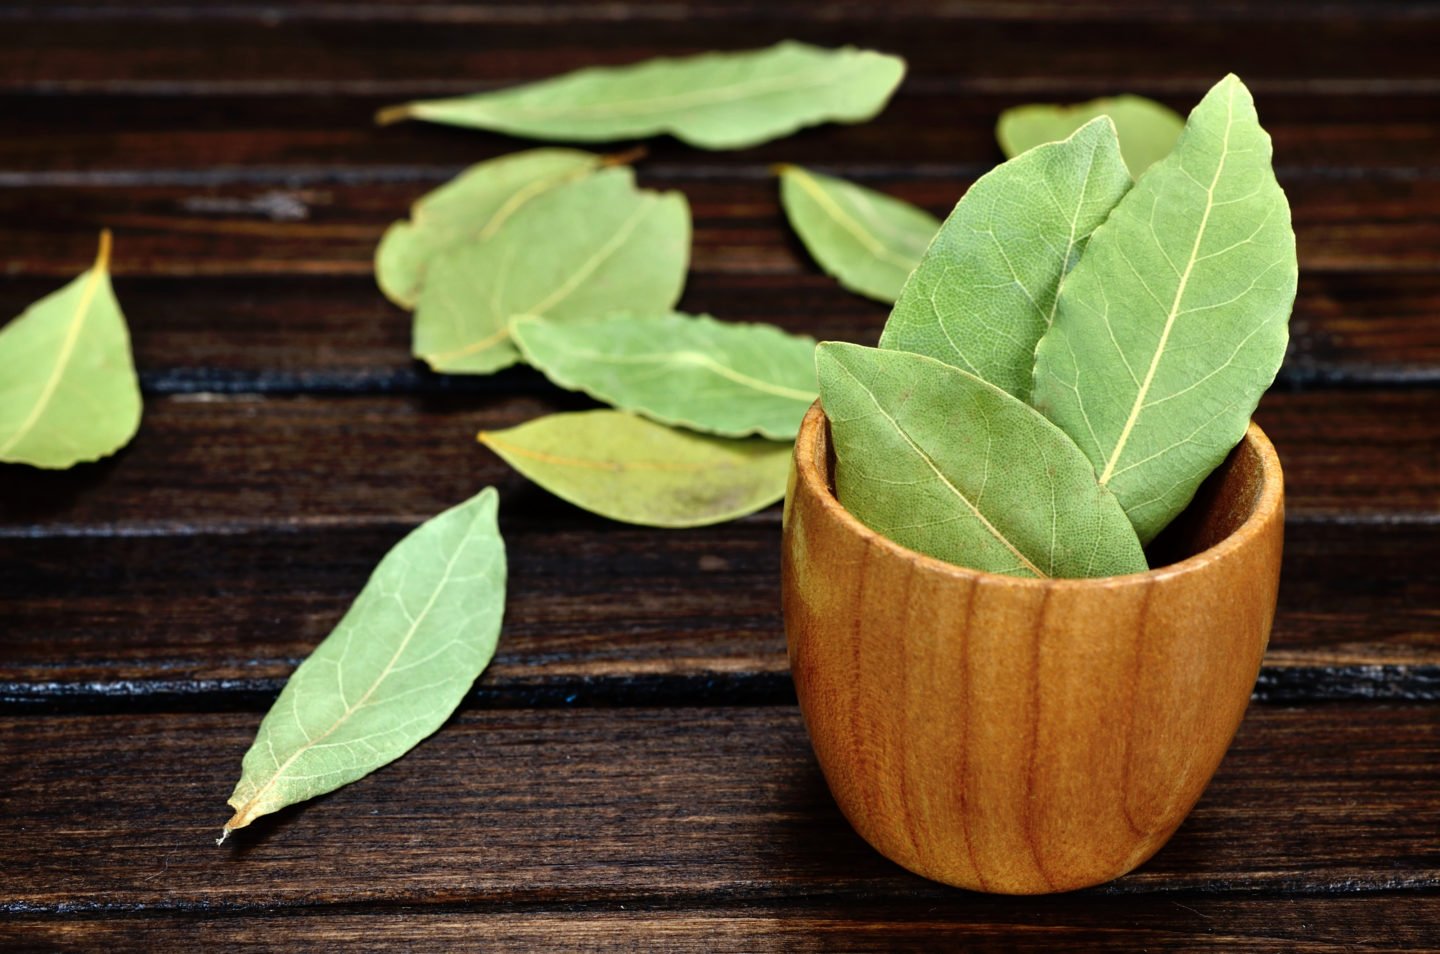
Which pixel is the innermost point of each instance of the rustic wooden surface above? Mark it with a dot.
(632, 772)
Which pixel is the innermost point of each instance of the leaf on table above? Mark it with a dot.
(869, 241)
(1175, 321)
(631, 469)
(1147, 129)
(713, 100)
(721, 377)
(582, 250)
(68, 389)
(469, 208)
(985, 291)
(943, 463)
(394, 669)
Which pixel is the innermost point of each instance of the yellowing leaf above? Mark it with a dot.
(420, 632)
(866, 239)
(469, 208)
(68, 390)
(985, 291)
(1147, 129)
(942, 462)
(714, 100)
(726, 378)
(1174, 322)
(630, 469)
(582, 250)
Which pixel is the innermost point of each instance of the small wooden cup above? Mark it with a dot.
(1024, 736)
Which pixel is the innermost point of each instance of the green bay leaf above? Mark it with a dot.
(713, 100)
(634, 470)
(946, 464)
(1174, 322)
(68, 389)
(1147, 129)
(725, 378)
(581, 250)
(469, 208)
(985, 291)
(869, 241)
(394, 669)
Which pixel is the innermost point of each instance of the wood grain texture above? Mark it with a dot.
(1372, 225)
(1264, 925)
(206, 462)
(598, 613)
(620, 806)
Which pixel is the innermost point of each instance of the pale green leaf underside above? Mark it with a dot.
(985, 291)
(725, 378)
(1175, 321)
(1147, 129)
(714, 100)
(943, 463)
(634, 470)
(582, 250)
(471, 207)
(68, 390)
(869, 241)
(393, 670)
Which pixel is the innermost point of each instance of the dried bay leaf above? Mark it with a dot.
(634, 470)
(1147, 129)
(581, 250)
(68, 389)
(713, 100)
(869, 241)
(471, 207)
(986, 289)
(1174, 322)
(725, 378)
(944, 463)
(394, 669)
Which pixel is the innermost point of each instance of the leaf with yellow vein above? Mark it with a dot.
(582, 250)
(399, 662)
(68, 389)
(628, 468)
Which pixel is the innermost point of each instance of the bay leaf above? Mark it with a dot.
(1147, 129)
(869, 241)
(394, 669)
(985, 291)
(713, 100)
(581, 250)
(1174, 322)
(471, 207)
(634, 470)
(725, 378)
(944, 463)
(68, 389)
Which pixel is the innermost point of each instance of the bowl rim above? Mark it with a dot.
(1267, 509)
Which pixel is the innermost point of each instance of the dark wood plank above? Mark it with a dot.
(198, 56)
(313, 141)
(597, 614)
(308, 333)
(1263, 925)
(205, 462)
(1371, 225)
(612, 806)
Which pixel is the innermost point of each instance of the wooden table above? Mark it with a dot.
(632, 771)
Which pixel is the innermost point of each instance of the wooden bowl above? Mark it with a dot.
(1024, 736)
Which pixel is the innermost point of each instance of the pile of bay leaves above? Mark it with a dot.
(1068, 355)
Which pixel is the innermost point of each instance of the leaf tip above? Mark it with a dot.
(224, 833)
(625, 158)
(390, 115)
(102, 257)
(781, 168)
